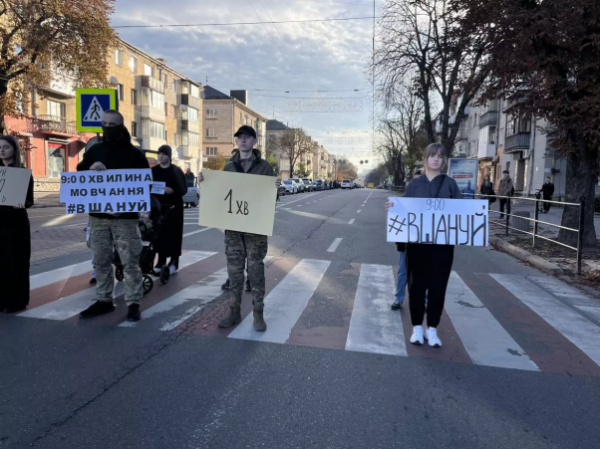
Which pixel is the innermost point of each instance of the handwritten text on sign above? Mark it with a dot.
(438, 221)
(106, 192)
(14, 183)
(238, 202)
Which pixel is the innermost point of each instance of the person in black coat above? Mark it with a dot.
(170, 238)
(15, 238)
(547, 192)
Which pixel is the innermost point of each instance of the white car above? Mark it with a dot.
(347, 184)
(290, 186)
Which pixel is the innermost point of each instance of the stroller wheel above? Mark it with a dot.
(165, 274)
(119, 274)
(148, 284)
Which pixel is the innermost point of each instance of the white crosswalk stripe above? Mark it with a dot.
(371, 326)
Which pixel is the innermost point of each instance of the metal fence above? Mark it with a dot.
(537, 203)
(46, 192)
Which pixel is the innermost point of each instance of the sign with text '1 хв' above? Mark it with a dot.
(438, 221)
(106, 192)
(14, 183)
(238, 202)
(90, 105)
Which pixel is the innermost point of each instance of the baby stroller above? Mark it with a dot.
(149, 230)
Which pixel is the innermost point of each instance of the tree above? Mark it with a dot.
(546, 61)
(271, 160)
(376, 175)
(44, 36)
(421, 41)
(302, 171)
(215, 163)
(345, 170)
(294, 143)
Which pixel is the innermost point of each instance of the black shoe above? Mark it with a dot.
(225, 286)
(97, 309)
(396, 305)
(134, 313)
(248, 288)
(93, 281)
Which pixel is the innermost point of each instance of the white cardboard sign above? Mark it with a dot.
(14, 183)
(438, 221)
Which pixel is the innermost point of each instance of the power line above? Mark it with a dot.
(242, 23)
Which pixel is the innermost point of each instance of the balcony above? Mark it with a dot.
(486, 151)
(190, 125)
(490, 118)
(188, 100)
(152, 83)
(51, 124)
(190, 151)
(151, 113)
(517, 142)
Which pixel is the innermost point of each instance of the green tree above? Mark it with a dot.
(271, 160)
(302, 171)
(215, 163)
(40, 37)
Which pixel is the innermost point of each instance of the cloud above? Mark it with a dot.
(300, 58)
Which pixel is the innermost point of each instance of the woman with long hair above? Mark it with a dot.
(429, 266)
(15, 238)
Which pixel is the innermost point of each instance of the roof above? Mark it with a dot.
(275, 125)
(214, 94)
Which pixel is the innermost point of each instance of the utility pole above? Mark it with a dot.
(373, 80)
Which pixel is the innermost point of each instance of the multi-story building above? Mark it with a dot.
(223, 115)
(160, 105)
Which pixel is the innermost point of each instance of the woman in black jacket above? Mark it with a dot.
(15, 238)
(170, 238)
(429, 266)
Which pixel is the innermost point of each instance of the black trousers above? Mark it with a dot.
(504, 201)
(547, 205)
(428, 268)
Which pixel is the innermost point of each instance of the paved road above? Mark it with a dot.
(519, 368)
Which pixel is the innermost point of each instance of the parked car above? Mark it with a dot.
(320, 184)
(281, 188)
(347, 184)
(315, 185)
(308, 184)
(300, 183)
(290, 186)
(192, 196)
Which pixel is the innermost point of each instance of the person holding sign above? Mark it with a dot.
(170, 237)
(241, 247)
(108, 231)
(15, 238)
(429, 266)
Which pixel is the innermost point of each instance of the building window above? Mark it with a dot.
(157, 130)
(211, 132)
(121, 92)
(56, 160)
(175, 114)
(211, 113)
(56, 110)
(152, 98)
(118, 57)
(133, 64)
(492, 135)
(166, 136)
(175, 86)
(148, 70)
(191, 114)
(211, 151)
(241, 118)
(165, 79)
(134, 100)
(195, 91)
(175, 140)
(166, 109)
(191, 139)
(134, 129)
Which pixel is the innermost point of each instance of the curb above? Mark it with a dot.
(526, 256)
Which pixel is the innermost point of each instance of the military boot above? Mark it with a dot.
(234, 317)
(259, 321)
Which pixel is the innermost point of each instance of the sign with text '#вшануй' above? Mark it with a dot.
(438, 221)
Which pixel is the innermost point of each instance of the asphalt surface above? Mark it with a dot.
(79, 385)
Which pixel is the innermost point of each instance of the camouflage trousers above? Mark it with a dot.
(239, 248)
(124, 235)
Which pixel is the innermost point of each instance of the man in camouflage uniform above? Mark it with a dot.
(110, 231)
(241, 247)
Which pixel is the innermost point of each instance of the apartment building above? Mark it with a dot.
(222, 115)
(160, 105)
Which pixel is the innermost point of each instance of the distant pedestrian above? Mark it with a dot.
(487, 189)
(547, 192)
(190, 178)
(429, 266)
(242, 248)
(505, 189)
(15, 238)
(108, 231)
(170, 238)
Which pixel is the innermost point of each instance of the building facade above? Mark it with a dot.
(222, 115)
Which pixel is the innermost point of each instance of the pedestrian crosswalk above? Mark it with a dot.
(494, 320)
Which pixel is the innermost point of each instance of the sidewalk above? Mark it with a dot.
(47, 243)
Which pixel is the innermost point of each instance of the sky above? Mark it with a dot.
(270, 59)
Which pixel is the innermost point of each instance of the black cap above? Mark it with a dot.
(166, 149)
(245, 129)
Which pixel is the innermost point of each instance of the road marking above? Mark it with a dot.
(561, 290)
(373, 328)
(335, 245)
(286, 302)
(351, 221)
(61, 274)
(57, 221)
(197, 232)
(577, 329)
(484, 338)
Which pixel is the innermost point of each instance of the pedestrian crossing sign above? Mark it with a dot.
(91, 104)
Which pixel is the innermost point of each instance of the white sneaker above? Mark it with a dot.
(432, 337)
(417, 336)
(172, 270)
